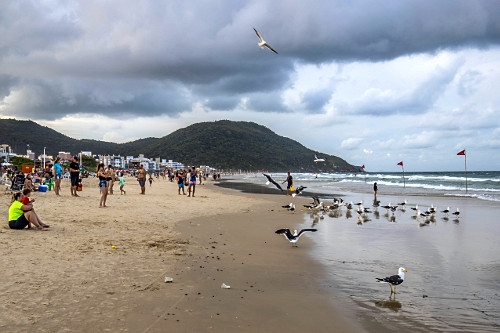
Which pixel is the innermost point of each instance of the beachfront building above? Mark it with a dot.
(6, 152)
(206, 169)
(30, 154)
(87, 153)
(64, 156)
(45, 157)
(174, 165)
(134, 163)
(116, 161)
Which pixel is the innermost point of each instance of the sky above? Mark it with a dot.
(373, 82)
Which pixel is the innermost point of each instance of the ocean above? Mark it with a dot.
(483, 185)
(453, 263)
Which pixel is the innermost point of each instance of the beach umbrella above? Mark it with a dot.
(465, 157)
(404, 182)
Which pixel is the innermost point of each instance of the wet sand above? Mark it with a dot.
(453, 263)
(104, 269)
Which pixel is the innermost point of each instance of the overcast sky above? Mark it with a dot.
(374, 82)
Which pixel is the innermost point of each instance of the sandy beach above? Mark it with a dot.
(104, 269)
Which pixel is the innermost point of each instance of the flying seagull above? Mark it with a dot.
(263, 42)
(270, 180)
(394, 280)
(293, 238)
(298, 190)
(316, 159)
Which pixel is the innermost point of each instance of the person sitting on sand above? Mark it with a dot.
(21, 215)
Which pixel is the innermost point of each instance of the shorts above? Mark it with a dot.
(58, 177)
(74, 181)
(103, 183)
(20, 223)
(192, 183)
(142, 182)
(181, 185)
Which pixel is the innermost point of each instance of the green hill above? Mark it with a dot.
(220, 144)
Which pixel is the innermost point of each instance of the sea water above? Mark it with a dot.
(483, 185)
(453, 263)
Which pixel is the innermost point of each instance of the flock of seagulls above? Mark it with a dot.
(319, 209)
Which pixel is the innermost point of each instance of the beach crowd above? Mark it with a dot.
(22, 213)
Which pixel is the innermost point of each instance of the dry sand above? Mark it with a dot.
(70, 278)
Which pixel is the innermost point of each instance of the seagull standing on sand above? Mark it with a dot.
(293, 238)
(394, 280)
(263, 43)
(456, 213)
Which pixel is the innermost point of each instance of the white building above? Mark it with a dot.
(116, 161)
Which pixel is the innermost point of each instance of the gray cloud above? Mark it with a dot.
(383, 103)
(157, 57)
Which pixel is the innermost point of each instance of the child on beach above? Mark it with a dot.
(180, 181)
(122, 183)
(150, 180)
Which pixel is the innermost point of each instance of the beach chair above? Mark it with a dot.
(17, 183)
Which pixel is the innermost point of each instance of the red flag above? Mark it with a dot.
(363, 166)
(400, 163)
(461, 153)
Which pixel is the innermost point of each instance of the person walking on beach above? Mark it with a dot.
(151, 180)
(289, 181)
(103, 185)
(122, 183)
(57, 170)
(180, 181)
(192, 181)
(375, 189)
(74, 170)
(141, 178)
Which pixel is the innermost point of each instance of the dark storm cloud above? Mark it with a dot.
(154, 57)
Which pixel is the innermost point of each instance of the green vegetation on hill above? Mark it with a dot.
(221, 144)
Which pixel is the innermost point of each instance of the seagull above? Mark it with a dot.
(270, 180)
(394, 280)
(288, 206)
(456, 213)
(263, 42)
(298, 190)
(402, 203)
(293, 238)
(446, 211)
(415, 208)
(317, 159)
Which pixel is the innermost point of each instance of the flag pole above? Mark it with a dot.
(404, 182)
(465, 155)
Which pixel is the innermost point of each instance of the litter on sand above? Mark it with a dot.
(225, 286)
(168, 279)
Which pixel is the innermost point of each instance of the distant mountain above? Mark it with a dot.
(20, 133)
(220, 144)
